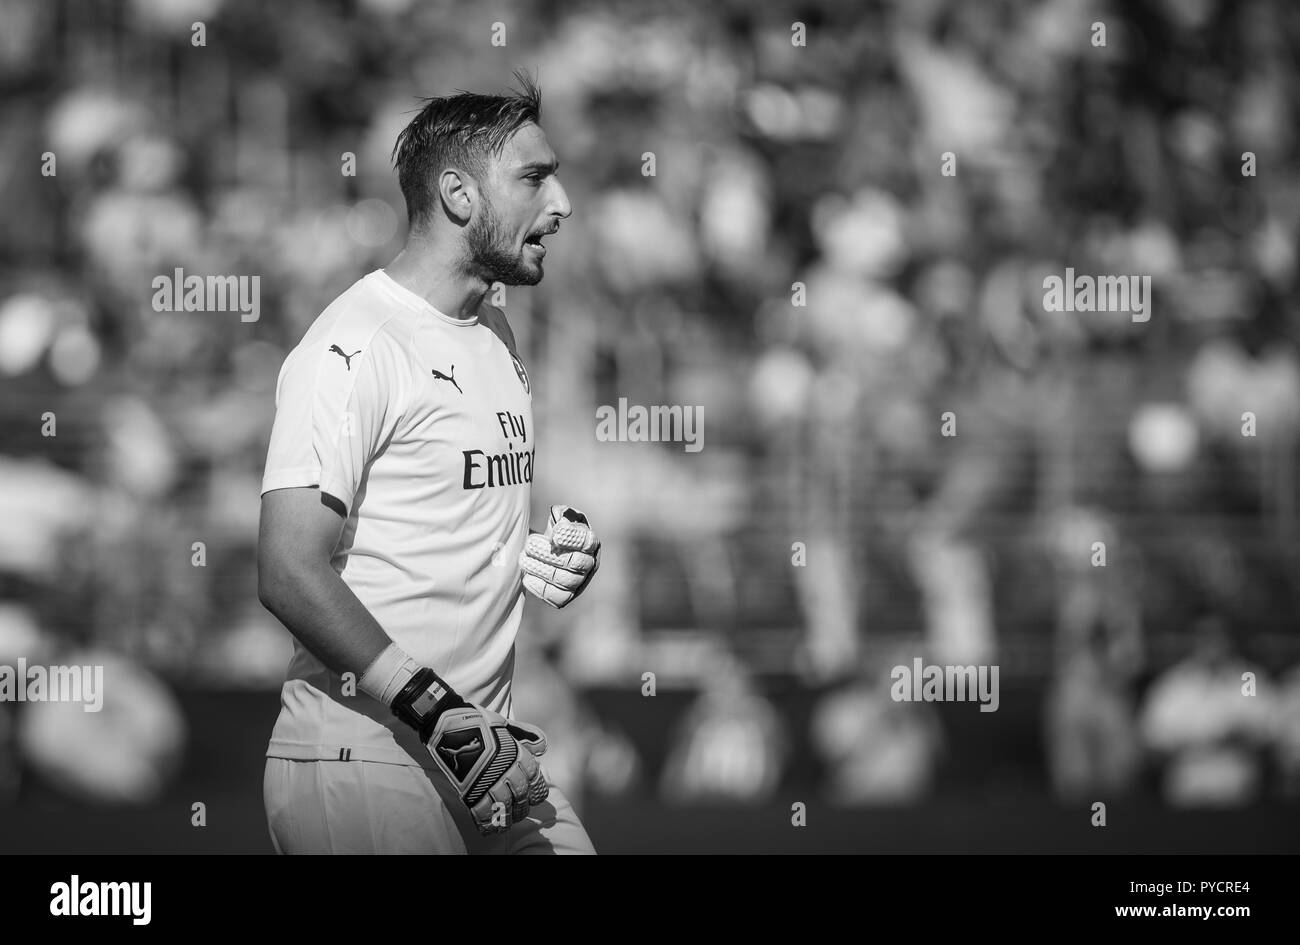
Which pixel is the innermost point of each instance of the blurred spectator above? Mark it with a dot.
(1287, 733)
(21, 637)
(731, 746)
(1093, 746)
(1092, 740)
(1206, 734)
(582, 753)
(876, 751)
(125, 753)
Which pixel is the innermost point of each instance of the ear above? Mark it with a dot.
(459, 194)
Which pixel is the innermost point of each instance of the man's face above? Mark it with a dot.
(521, 200)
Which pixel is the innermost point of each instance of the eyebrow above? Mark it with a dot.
(551, 166)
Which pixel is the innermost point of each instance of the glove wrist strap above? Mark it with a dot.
(388, 674)
(423, 699)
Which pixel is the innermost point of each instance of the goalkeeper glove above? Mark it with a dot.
(559, 563)
(489, 760)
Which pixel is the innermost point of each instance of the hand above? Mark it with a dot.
(559, 563)
(488, 760)
(504, 772)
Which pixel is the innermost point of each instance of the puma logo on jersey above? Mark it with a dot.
(474, 746)
(347, 358)
(448, 377)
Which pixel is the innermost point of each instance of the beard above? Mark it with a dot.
(492, 251)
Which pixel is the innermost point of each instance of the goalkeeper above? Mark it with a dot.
(394, 539)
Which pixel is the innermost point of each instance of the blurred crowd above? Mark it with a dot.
(905, 454)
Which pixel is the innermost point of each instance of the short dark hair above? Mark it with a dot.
(458, 130)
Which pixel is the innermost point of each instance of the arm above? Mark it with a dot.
(333, 417)
(296, 582)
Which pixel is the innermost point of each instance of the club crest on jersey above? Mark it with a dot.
(523, 374)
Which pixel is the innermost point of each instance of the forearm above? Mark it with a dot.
(325, 615)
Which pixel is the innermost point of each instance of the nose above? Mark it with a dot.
(559, 205)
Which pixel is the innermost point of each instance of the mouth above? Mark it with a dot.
(534, 240)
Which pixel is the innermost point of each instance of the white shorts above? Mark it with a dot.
(373, 807)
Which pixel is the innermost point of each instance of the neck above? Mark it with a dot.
(435, 272)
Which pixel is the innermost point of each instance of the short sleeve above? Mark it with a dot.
(338, 403)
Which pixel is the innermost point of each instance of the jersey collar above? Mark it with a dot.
(412, 301)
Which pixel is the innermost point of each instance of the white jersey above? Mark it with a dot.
(421, 425)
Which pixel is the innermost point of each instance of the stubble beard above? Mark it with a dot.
(492, 252)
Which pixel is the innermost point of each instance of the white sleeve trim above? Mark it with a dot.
(301, 476)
